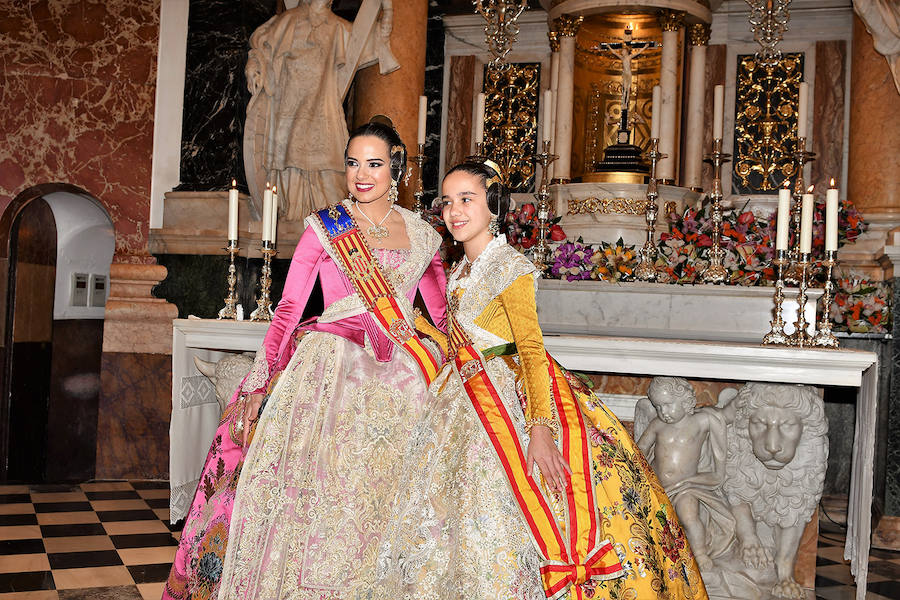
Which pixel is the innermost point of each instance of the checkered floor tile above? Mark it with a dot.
(112, 540)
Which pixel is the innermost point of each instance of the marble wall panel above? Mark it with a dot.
(892, 453)
(716, 55)
(77, 83)
(434, 85)
(215, 91)
(828, 112)
(460, 98)
(133, 421)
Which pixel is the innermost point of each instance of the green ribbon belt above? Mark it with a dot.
(501, 350)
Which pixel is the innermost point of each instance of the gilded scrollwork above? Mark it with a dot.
(765, 123)
(511, 109)
(607, 206)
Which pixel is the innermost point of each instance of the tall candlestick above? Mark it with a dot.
(479, 119)
(233, 211)
(784, 218)
(273, 228)
(832, 204)
(548, 118)
(423, 112)
(719, 112)
(657, 107)
(806, 222)
(801, 111)
(267, 215)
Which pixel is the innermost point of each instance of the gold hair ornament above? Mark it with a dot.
(496, 169)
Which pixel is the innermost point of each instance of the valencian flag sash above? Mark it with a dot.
(573, 554)
(372, 286)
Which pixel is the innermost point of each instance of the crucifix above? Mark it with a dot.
(627, 50)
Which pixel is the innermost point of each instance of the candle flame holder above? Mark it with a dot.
(801, 157)
(776, 335)
(801, 338)
(479, 155)
(824, 337)
(541, 252)
(646, 269)
(229, 311)
(420, 190)
(263, 310)
(715, 272)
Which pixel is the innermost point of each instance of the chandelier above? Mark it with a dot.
(501, 25)
(768, 22)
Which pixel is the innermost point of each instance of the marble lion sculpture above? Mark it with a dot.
(226, 374)
(775, 472)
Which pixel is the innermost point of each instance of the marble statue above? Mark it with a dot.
(774, 474)
(686, 447)
(882, 20)
(298, 72)
(226, 374)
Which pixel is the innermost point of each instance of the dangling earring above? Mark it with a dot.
(350, 196)
(393, 193)
(494, 226)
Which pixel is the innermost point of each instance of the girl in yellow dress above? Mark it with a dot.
(475, 519)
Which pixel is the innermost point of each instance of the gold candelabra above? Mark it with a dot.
(229, 311)
(541, 252)
(420, 190)
(263, 310)
(776, 335)
(800, 337)
(801, 157)
(646, 269)
(479, 155)
(824, 337)
(715, 272)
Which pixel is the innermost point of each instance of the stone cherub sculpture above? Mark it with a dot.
(686, 447)
(299, 68)
(226, 374)
(774, 474)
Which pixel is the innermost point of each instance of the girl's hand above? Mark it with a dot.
(251, 413)
(543, 451)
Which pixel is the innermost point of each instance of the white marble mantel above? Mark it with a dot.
(752, 362)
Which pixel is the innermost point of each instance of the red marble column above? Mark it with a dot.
(397, 94)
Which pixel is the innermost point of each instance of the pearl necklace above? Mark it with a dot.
(377, 231)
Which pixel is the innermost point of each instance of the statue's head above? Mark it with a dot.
(776, 422)
(672, 397)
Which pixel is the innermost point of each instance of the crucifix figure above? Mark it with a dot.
(626, 51)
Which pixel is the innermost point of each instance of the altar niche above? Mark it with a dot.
(52, 332)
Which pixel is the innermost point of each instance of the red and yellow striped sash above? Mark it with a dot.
(373, 288)
(579, 556)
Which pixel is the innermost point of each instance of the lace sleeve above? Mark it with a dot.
(258, 377)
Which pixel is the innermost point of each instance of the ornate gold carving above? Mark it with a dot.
(699, 33)
(567, 25)
(765, 122)
(510, 113)
(671, 20)
(553, 36)
(607, 206)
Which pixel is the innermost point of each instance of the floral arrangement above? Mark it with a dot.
(522, 227)
(747, 239)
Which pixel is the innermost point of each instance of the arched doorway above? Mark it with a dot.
(56, 245)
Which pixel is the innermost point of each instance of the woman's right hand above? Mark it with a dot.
(251, 413)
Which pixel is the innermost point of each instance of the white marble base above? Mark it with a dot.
(659, 310)
(623, 212)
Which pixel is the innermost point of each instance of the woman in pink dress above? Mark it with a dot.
(298, 512)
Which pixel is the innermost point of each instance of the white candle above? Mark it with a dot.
(548, 115)
(719, 112)
(784, 219)
(801, 111)
(267, 215)
(233, 211)
(423, 112)
(832, 206)
(479, 119)
(273, 229)
(655, 115)
(806, 222)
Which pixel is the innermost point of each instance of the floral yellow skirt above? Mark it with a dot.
(456, 531)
